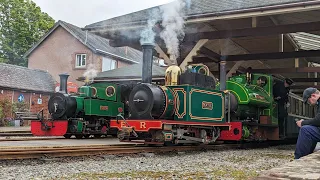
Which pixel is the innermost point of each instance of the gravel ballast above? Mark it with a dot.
(229, 164)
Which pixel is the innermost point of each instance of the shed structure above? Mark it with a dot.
(280, 37)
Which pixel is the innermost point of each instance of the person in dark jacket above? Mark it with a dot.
(280, 94)
(309, 133)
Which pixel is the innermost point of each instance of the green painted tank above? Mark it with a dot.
(198, 104)
(100, 99)
(253, 94)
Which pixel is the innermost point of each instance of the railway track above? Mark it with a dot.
(9, 138)
(27, 133)
(53, 152)
(35, 138)
(7, 153)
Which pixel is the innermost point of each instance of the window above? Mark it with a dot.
(81, 60)
(108, 64)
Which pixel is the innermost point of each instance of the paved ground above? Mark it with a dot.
(304, 168)
(15, 129)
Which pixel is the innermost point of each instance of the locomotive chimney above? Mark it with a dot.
(223, 75)
(147, 50)
(63, 83)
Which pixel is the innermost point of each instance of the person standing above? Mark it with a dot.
(309, 133)
(280, 94)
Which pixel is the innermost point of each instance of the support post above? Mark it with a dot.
(254, 21)
(223, 75)
(281, 43)
(315, 76)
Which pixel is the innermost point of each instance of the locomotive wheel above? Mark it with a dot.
(86, 136)
(79, 136)
(68, 136)
(169, 143)
(97, 136)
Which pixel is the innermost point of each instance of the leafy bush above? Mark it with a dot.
(7, 110)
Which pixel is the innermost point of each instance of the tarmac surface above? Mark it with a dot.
(15, 129)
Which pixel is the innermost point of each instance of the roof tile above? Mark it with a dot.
(197, 7)
(17, 77)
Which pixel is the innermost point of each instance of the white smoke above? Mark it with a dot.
(188, 3)
(172, 16)
(148, 35)
(173, 23)
(90, 73)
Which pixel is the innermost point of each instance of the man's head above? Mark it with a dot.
(288, 82)
(311, 96)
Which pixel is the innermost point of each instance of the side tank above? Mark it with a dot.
(253, 94)
(100, 99)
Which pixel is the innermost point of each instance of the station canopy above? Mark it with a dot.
(279, 37)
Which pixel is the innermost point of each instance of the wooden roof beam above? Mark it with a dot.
(287, 70)
(193, 52)
(255, 31)
(197, 60)
(304, 86)
(210, 54)
(306, 79)
(264, 56)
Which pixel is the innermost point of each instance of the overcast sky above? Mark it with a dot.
(84, 12)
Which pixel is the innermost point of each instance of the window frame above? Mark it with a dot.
(81, 60)
(112, 62)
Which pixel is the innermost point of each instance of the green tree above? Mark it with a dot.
(21, 25)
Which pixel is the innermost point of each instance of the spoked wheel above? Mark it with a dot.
(68, 136)
(79, 136)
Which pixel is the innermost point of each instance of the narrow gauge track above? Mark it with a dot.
(35, 138)
(8, 138)
(52, 152)
(27, 133)
(68, 151)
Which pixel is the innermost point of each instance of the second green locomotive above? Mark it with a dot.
(83, 114)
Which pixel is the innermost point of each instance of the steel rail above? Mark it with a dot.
(29, 153)
(16, 134)
(30, 139)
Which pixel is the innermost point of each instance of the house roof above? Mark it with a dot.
(197, 8)
(131, 72)
(17, 77)
(95, 43)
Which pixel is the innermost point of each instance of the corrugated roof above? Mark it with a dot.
(307, 41)
(17, 77)
(94, 42)
(196, 8)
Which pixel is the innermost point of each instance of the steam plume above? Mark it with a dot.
(148, 35)
(172, 16)
(173, 23)
(90, 74)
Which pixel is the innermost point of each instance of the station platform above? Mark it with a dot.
(307, 167)
(15, 129)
